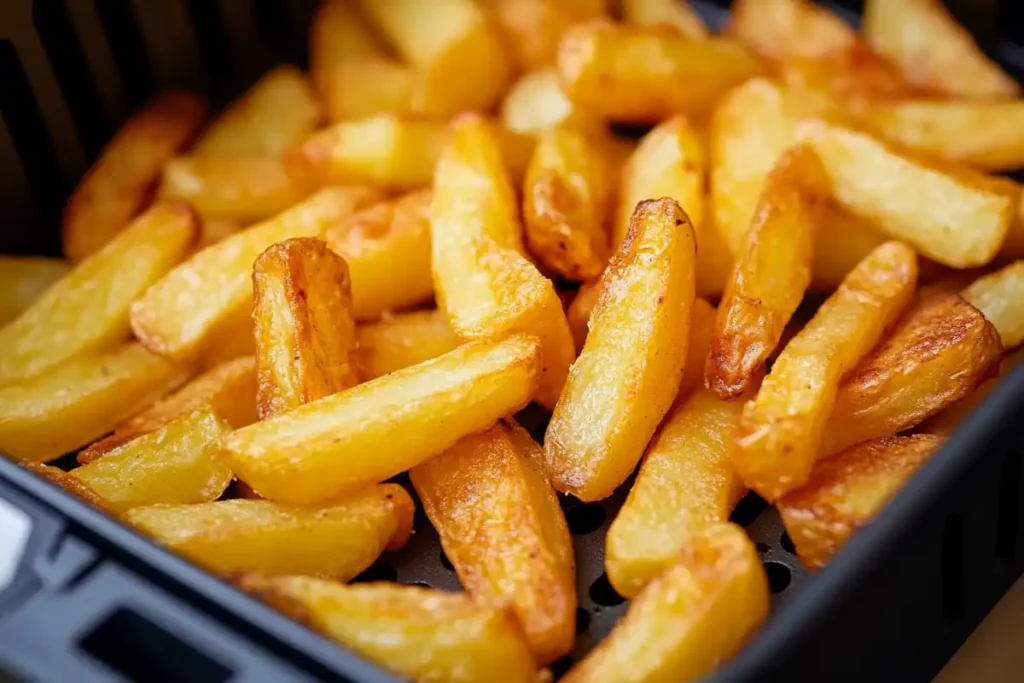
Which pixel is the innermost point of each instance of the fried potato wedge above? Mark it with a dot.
(70, 484)
(121, 181)
(338, 539)
(1000, 297)
(502, 528)
(422, 633)
(625, 379)
(305, 332)
(385, 426)
(672, 12)
(86, 311)
(845, 492)
(78, 401)
(533, 28)
(933, 51)
(536, 102)
(782, 30)
(781, 430)
(945, 216)
(648, 73)
(23, 279)
(695, 615)
(946, 422)
(771, 274)
(179, 315)
(402, 341)
(387, 248)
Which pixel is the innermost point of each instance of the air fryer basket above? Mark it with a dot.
(91, 600)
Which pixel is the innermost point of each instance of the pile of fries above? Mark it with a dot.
(368, 269)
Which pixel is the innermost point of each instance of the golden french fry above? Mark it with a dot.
(846, 491)
(230, 339)
(402, 341)
(502, 528)
(579, 312)
(771, 274)
(789, 29)
(338, 539)
(385, 426)
(120, 182)
(305, 332)
(533, 28)
(678, 14)
(695, 615)
(536, 102)
(179, 315)
(701, 329)
(946, 422)
(781, 430)
(1000, 297)
(78, 401)
(648, 73)
(70, 484)
(23, 279)
(625, 379)
(86, 311)
(425, 634)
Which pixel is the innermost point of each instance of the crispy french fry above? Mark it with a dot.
(579, 312)
(837, 87)
(385, 426)
(695, 615)
(771, 274)
(533, 28)
(338, 539)
(120, 182)
(425, 634)
(1000, 297)
(502, 528)
(305, 332)
(788, 29)
(536, 102)
(678, 14)
(387, 248)
(625, 379)
(64, 480)
(179, 315)
(845, 492)
(947, 421)
(86, 311)
(23, 279)
(402, 341)
(933, 51)
(648, 73)
(781, 430)
(78, 401)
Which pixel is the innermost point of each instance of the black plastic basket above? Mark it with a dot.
(84, 598)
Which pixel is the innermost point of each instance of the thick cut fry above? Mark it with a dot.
(305, 332)
(1000, 296)
(425, 634)
(481, 278)
(946, 216)
(387, 425)
(502, 527)
(72, 485)
(771, 274)
(946, 422)
(387, 248)
(536, 102)
(120, 182)
(673, 12)
(338, 539)
(845, 492)
(402, 341)
(648, 73)
(566, 202)
(695, 615)
(933, 51)
(533, 28)
(76, 402)
(790, 29)
(629, 371)
(180, 314)
(23, 279)
(86, 311)
(781, 430)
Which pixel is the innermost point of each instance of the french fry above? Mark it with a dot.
(70, 484)
(947, 216)
(230, 339)
(402, 341)
(771, 274)
(23, 279)
(425, 634)
(947, 421)
(783, 30)
(533, 28)
(841, 241)
(86, 311)
(502, 528)
(536, 102)
(338, 539)
(120, 182)
(305, 332)
(625, 379)
(387, 248)
(648, 73)
(702, 327)
(845, 492)
(179, 315)
(1000, 297)
(695, 615)
(78, 401)
(579, 312)
(781, 430)
(385, 426)
(933, 51)
(940, 352)
(838, 87)
(213, 230)
(481, 278)
(678, 14)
